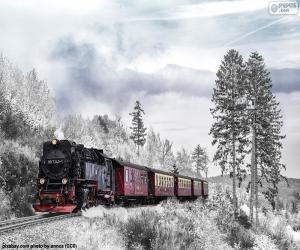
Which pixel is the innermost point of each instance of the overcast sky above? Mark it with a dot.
(98, 57)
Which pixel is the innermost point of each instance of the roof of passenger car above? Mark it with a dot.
(129, 164)
(198, 179)
(160, 171)
(183, 176)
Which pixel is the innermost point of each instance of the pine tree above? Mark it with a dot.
(200, 159)
(138, 134)
(229, 129)
(266, 122)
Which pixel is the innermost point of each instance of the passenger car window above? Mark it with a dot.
(126, 175)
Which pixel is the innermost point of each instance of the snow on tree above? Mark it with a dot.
(200, 159)
(74, 127)
(265, 122)
(112, 134)
(184, 162)
(27, 96)
(26, 112)
(158, 151)
(138, 134)
(37, 103)
(229, 129)
(152, 148)
(167, 156)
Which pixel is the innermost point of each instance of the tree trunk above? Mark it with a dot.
(234, 178)
(256, 194)
(254, 166)
(252, 184)
(138, 141)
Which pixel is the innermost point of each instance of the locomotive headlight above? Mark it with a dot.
(64, 180)
(54, 142)
(42, 181)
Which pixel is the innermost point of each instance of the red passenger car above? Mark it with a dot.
(161, 183)
(183, 186)
(197, 187)
(131, 180)
(204, 188)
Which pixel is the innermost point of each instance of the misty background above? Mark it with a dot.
(100, 58)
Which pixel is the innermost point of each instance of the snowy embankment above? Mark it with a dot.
(90, 231)
(52, 233)
(169, 225)
(95, 229)
(166, 226)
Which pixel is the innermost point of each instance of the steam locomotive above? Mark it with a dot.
(72, 177)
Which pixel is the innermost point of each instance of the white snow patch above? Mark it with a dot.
(121, 213)
(101, 211)
(296, 235)
(245, 209)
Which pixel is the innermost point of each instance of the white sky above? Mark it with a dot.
(122, 40)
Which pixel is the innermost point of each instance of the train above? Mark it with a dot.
(72, 177)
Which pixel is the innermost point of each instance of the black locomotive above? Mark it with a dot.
(72, 176)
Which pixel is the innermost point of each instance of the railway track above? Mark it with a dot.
(10, 225)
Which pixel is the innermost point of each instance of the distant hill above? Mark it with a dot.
(285, 189)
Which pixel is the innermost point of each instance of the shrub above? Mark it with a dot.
(172, 225)
(140, 230)
(240, 236)
(5, 208)
(18, 170)
(263, 242)
(276, 227)
(295, 221)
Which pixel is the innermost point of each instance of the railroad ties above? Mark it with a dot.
(10, 225)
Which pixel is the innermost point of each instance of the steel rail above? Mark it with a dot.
(34, 221)
(17, 220)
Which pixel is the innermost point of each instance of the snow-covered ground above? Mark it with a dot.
(52, 233)
(172, 223)
(83, 231)
(102, 228)
(88, 231)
